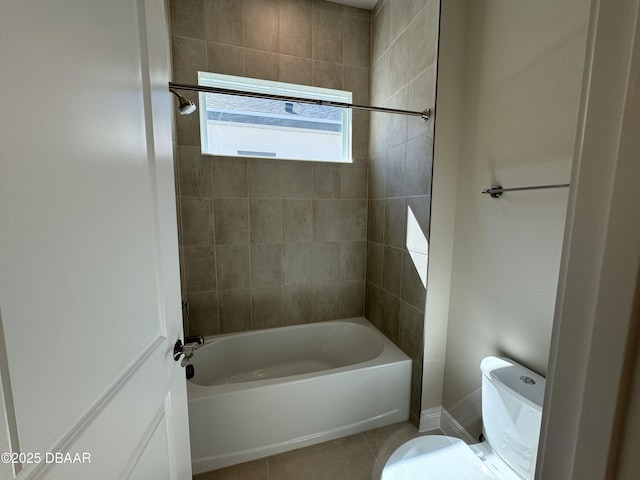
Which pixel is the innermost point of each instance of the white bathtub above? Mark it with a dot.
(263, 392)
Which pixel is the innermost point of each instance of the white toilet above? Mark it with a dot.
(511, 414)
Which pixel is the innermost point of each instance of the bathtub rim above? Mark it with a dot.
(391, 353)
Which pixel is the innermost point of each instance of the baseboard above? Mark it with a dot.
(438, 418)
(430, 419)
(450, 426)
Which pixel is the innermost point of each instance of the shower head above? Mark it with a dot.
(186, 106)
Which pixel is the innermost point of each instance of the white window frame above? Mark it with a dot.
(229, 82)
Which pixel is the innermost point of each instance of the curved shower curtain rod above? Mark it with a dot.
(425, 114)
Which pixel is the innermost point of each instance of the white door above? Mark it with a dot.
(89, 278)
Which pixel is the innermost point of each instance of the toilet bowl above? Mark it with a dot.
(511, 411)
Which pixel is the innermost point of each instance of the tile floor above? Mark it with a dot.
(357, 457)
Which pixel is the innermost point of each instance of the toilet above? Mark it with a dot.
(511, 414)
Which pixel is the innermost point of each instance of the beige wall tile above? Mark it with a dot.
(396, 165)
(187, 18)
(265, 220)
(390, 316)
(235, 311)
(325, 262)
(418, 166)
(223, 21)
(373, 305)
(203, 313)
(380, 80)
(354, 220)
(327, 75)
(225, 59)
(418, 5)
(400, 17)
(229, 177)
(326, 6)
(264, 178)
(326, 180)
(413, 290)
(231, 220)
(420, 207)
(423, 34)
(297, 308)
(360, 134)
(188, 128)
(266, 265)
(357, 34)
(266, 309)
(260, 21)
(377, 175)
(326, 220)
(233, 267)
(397, 125)
(375, 221)
(356, 12)
(295, 28)
(297, 179)
(295, 70)
(200, 268)
(327, 36)
(296, 263)
(380, 27)
(259, 64)
(420, 95)
(375, 258)
(197, 220)
(356, 80)
(351, 298)
(395, 222)
(399, 62)
(392, 271)
(352, 260)
(325, 302)
(354, 182)
(188, 56)
(301, 3)
(194, 172)
(297, 220)
(378, 133)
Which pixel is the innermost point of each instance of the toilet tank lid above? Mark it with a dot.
(517, 378)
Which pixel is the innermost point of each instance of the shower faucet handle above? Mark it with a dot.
(187, 349)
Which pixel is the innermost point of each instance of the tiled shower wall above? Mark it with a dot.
(266, 243)
(403, 75)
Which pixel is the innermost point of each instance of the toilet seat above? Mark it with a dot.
(437, 457)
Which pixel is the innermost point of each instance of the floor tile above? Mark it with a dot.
(357, 457)
(348, 458)
(383, 441)
(255, 470)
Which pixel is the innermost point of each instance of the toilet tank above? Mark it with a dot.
(512, 398)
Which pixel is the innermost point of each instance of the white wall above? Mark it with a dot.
(522, 78)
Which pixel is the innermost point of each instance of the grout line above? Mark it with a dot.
(215, 249)
(251, 326)
(375, 457)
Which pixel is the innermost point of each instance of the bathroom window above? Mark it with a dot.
(234, 125)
